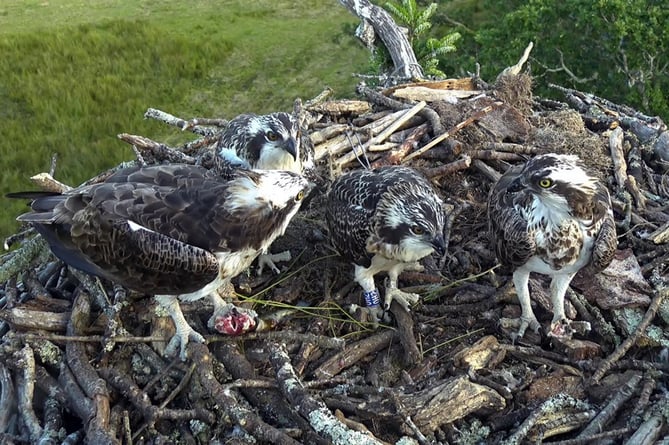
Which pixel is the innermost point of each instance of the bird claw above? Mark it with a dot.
(371, 314)
(526, 322)
(269, 260)
(180, 340)
(405, 299)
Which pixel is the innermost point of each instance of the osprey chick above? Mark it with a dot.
(269, 142)
(552, 217)
(175, 231)
(384, 220)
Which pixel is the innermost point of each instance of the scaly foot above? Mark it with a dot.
(269, 260)
(180, 340)
(406, 299)
(526, 322)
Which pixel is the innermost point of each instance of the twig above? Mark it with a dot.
(396, 156)
(353, 353)
(8, 406)
(595, 438)
(226, 400)
(476, 116)
(383, 135)
(492, 174)
(21, 259)
(182, 124)
(94, 387)
(555, 404)
(618, 157)
(621, 396)
(141, 401)
(157, 150)
(660, 294)
(461, 164)
(47, 183)
(287, 336)
(311, 408)
(26, 387)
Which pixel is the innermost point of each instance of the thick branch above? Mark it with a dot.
(404, 59)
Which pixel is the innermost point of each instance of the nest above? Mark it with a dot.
(81, 358)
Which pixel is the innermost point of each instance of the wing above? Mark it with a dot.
(349, 226)
(189, 205)
(85, 237)
(606, 242)
(509, 233)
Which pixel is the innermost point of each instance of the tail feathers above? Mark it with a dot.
(41, 217)
(30, 195)
(64, 249)
(43, 205)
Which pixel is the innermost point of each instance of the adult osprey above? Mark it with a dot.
(552, 217)
(271, 142)
(175, 231)
(384, 220)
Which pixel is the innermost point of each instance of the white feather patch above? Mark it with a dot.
(136, 227)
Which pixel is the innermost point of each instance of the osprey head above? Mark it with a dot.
(411, 217)
(559, 181)
(275, 138)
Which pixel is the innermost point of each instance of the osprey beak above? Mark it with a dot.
(515, 186)
(439, 245)
(291, 147)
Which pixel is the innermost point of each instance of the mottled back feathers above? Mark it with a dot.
(158, 229)
(383, 207)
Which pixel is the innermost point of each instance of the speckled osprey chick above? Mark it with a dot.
(384, 220)
(552, 217)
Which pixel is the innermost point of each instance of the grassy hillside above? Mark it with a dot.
(75, 74)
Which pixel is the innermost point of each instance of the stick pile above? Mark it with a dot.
(80, 361)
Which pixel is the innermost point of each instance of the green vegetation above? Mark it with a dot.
(617, 49)
(75, 74)
(429, 50)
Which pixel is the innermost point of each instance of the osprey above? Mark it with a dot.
(552, 217)
(270, 142)
(175, 231)
(384, 220)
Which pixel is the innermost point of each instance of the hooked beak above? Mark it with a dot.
(439, 245)
(291, 147)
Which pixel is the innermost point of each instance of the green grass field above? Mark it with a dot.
(74, 74)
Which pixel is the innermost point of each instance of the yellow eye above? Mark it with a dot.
(545, 183)
(272, 136)
(299, 195)
(417, 230)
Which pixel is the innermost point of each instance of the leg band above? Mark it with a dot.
(372, 298)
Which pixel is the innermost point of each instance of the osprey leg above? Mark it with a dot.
(184, 331)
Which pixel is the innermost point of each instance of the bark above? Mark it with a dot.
(404, 59)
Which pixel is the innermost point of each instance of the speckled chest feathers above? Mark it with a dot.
(550, 210)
